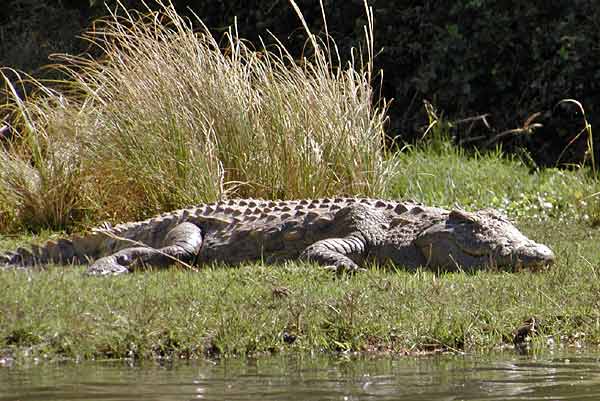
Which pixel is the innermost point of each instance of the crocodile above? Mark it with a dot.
(343, 234)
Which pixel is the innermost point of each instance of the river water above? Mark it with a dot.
(301, 377)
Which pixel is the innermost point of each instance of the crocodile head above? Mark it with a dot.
(478, 240)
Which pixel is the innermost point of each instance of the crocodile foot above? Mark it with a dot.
(108, 266)
(341, 269)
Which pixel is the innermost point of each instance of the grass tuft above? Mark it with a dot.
(41, 184)
(168, 117)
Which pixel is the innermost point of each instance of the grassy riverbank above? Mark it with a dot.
(298, 307)
(135, 133)
(295, 307)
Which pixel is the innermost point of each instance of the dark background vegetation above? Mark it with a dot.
(509, 60)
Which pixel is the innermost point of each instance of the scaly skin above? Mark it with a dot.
(344, 234)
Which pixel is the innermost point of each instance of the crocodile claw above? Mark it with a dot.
(343, 269)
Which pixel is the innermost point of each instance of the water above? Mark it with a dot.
(503, 377)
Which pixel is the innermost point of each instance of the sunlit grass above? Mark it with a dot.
(452, 177)
(300, 307)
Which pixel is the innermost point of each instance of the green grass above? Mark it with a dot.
(256, 308)
(447, 176)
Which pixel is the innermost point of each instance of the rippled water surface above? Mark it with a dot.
(502, 377)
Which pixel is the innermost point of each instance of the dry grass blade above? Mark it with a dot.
(40, 177)
(587, 129)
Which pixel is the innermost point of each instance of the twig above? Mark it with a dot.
(527, 128)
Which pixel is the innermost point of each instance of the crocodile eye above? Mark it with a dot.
(462, 216)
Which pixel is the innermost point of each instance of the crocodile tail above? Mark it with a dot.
(102, 241)
(75, 250)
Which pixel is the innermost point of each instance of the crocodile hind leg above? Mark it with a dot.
(181, 244)
(337, 254)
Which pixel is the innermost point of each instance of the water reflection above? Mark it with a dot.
(502, 377)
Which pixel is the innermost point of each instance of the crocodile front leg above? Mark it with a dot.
(181, 244)
(338, 254)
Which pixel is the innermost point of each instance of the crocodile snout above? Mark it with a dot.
(533, 255)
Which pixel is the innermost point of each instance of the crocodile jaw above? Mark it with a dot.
(532, 256)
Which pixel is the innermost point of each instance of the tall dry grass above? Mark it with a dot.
(170, 116)
(41, 182)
